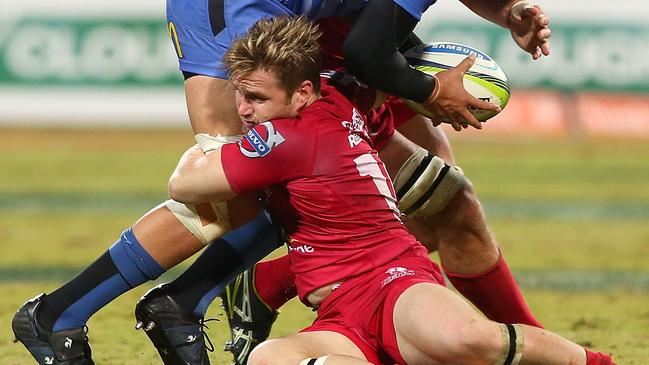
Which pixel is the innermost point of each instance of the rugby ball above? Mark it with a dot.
(485, 80)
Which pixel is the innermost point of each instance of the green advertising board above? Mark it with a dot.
(59, 51)
(125, 52)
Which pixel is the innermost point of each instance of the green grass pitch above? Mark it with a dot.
(571, 217)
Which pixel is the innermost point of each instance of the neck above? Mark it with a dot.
(312, 99)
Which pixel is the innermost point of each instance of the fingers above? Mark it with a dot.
(466, 63)
(531, 11)
(484, 105)
(468, 118)
(545, 48)
(542, 20)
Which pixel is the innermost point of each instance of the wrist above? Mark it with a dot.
(436, 90)
(516, 10)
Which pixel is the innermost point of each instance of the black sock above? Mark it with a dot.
(206, 278)
(125, 265)
(57, 302)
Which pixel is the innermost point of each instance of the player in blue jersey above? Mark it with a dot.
(201, 31)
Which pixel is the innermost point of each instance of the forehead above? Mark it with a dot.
(258, 80)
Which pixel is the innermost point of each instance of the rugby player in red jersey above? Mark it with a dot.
(171, 232)
(380, 300)
(447, 217)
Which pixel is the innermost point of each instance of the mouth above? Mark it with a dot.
(248, 124)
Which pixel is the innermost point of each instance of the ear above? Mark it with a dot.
(304, 94)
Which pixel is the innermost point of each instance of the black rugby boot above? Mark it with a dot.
(177, 334)
(65, 347)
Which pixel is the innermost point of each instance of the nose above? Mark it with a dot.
(244, 108)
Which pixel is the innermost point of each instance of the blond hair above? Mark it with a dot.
(286, 46)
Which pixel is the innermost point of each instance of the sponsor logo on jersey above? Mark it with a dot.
(261, 146)
(356, 129)
(395, 273)
(295, 245)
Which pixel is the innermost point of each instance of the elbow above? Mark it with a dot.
(179, 191)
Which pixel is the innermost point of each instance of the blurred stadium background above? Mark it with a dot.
(92, 120)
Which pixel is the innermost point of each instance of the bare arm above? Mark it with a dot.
(495, 11)
(528, 23)
(199, 178)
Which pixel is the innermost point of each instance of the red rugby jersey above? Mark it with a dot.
(327, 188)
(380, 122)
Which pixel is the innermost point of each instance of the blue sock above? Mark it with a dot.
(222, 261)
(135, 265)
(125, 265)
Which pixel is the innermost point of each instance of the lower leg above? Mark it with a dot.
(275, 282)
(543, 347)
(460, 335)
(125, 265)
(221, 262)
(474, 265)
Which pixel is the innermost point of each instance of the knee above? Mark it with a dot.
(465, 206)
(275, 352)
(463, 216)
(264, 354)
(476, 344)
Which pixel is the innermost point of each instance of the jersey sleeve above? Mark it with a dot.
(265, 156)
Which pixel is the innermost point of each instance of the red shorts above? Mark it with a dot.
(361, 309)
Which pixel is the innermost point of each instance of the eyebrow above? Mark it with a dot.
(249, 93)
(254, 94)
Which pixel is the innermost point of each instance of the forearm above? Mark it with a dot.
(199, 178)
(495, 11)
(371, 51)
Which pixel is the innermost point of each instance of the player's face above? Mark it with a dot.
(260, 97)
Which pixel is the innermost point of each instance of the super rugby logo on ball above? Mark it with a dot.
(485, 80)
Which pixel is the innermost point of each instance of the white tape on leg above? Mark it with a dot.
(513, 344)
(425, 184)
(206, 221)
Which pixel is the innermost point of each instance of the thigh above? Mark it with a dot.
(395, 151)
(421, 131)
(295, 348)
(211, 106)
(434, 325)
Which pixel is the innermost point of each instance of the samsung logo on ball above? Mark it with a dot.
(456, 49)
